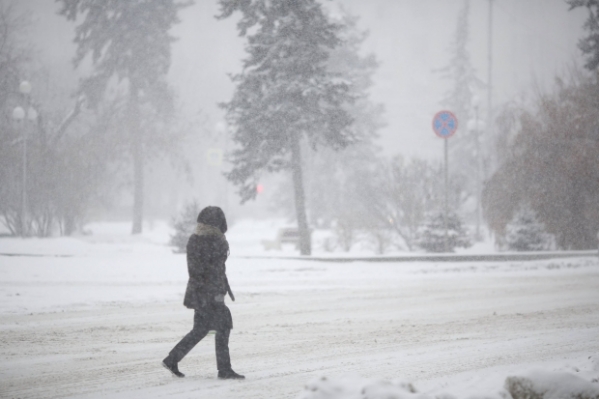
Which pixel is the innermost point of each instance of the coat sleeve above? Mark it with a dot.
(194, 298)
(195, 266)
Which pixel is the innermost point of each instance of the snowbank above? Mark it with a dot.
(355, 388)
(535, 385)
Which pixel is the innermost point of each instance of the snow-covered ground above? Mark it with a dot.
(92, 317)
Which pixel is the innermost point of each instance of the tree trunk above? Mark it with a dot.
(137, 154)
(69, 225)
(138, 187)
(300, 198)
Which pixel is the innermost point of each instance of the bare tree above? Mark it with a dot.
(551, 166)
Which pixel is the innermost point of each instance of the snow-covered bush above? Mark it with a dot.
(525, 233)
(345, 231)
(325, 388)
(432, 234)
(184, 225)
(379, 239)
(551, 385)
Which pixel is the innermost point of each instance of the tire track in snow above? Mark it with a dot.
(431, 328)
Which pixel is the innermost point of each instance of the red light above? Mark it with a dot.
(259, 188)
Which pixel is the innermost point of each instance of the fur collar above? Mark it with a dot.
(208, 230)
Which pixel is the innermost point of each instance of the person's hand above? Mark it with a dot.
(219, 298)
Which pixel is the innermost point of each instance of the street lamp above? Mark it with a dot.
(476, 126)
(19, 115)
(25, 87)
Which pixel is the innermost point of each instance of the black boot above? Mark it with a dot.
(229, 375)
(171, 366)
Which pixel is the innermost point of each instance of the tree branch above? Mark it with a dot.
(69, 119)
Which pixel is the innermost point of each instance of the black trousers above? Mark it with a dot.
(199, 331)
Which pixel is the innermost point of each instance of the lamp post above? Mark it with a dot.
(19, 114)
(476, 126)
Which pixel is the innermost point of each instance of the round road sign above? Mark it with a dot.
(445, 124)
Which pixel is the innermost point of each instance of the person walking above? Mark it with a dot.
(207, 252)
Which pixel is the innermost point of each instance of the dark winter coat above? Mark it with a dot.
(207, 251)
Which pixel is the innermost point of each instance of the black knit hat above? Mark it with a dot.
(214, 216)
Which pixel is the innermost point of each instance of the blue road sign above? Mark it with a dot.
(445, 124)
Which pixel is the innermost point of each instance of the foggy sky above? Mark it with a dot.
(533, 41)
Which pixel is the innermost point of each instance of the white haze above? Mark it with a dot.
(534, 40)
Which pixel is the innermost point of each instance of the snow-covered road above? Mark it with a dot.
(97, 324)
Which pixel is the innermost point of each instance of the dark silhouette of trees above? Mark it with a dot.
(130, 49)
(15, 59)
(552, 165)
(46, 177)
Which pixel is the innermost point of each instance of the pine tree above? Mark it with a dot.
(130, 48)
(465, 146)
(284, 94)
(589, 45)
(432, 236)
(184, 225)
(461, 73)
(525, 233)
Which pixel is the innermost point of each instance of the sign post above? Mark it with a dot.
(445, 125)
